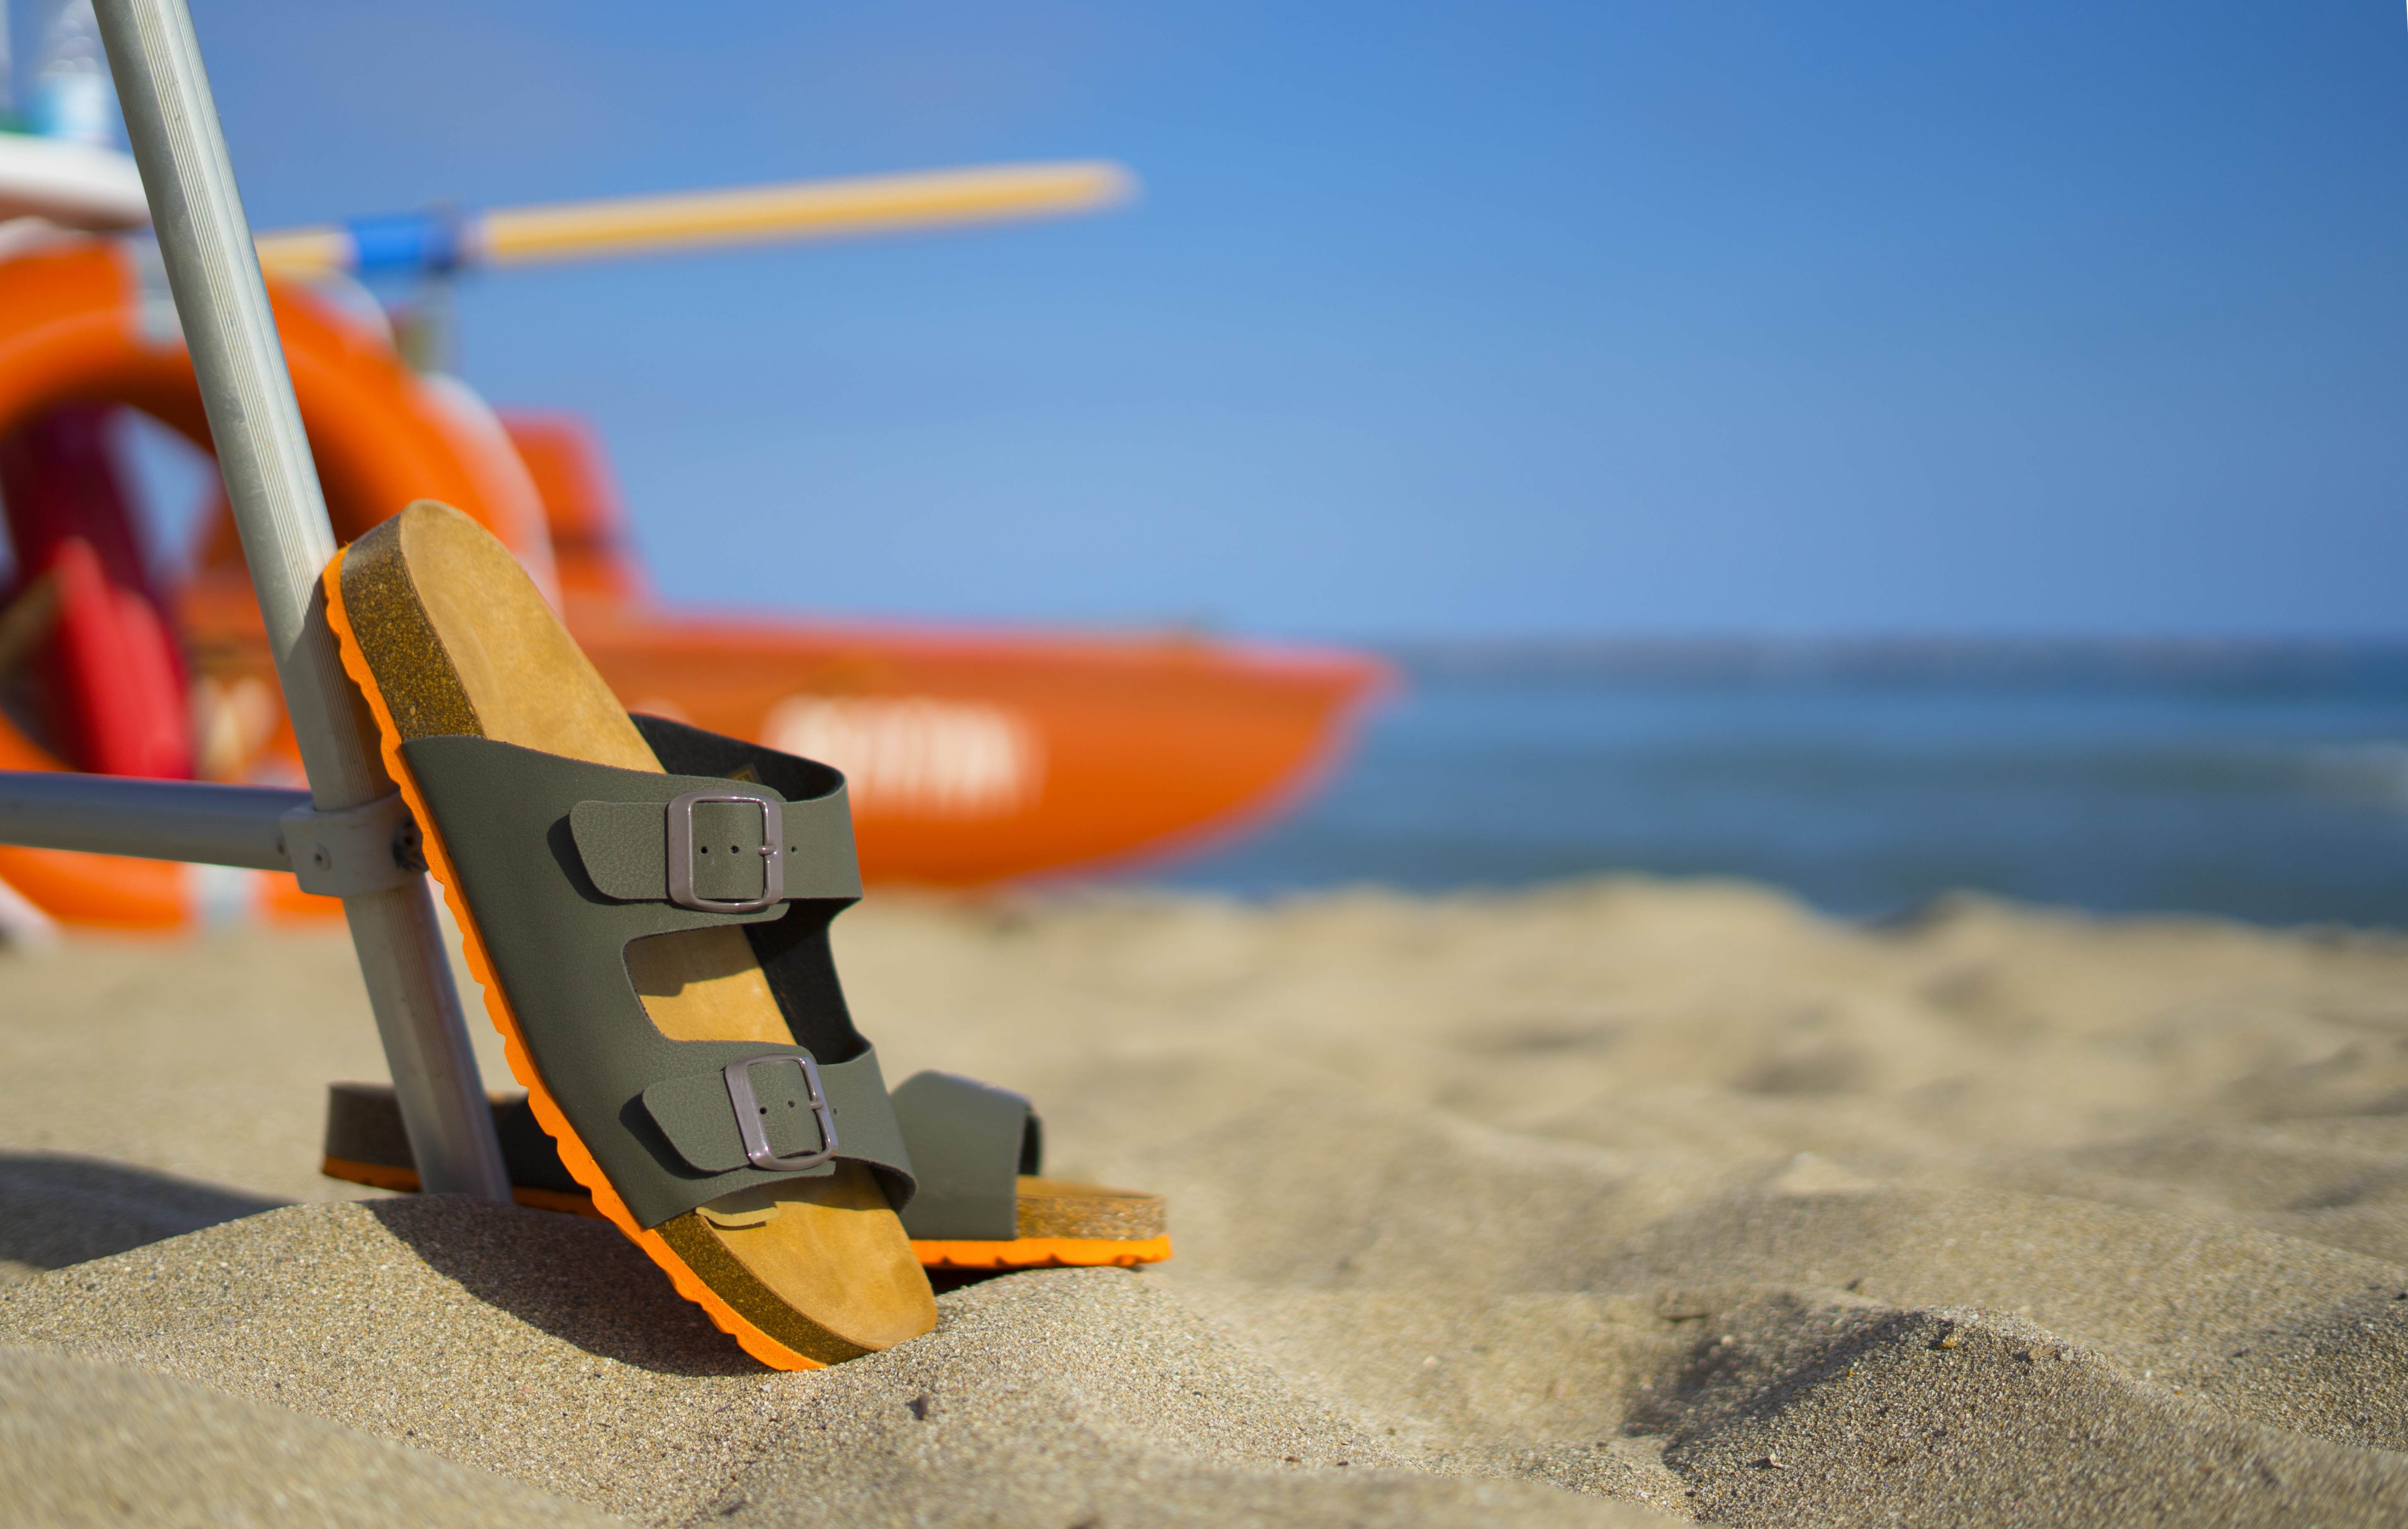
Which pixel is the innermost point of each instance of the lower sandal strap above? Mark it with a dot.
(969, 1143)
(777, 1108)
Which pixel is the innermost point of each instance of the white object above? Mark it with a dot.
(349, 852)
(23, 925)
(72, 99)
(73, 185)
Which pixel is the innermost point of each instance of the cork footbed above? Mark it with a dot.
(444, 633)
(1063, 1224)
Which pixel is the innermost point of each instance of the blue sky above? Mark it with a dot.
(1657, 316)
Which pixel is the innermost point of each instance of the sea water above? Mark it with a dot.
(2261, 782)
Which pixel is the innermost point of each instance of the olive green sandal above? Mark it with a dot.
(977, 1153)
(653, 946)
(981, 1204)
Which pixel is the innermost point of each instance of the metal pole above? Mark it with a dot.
(287, 541)
(159, 820)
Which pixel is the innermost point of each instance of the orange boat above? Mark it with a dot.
(974, 755)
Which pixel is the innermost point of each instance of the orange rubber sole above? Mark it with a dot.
(1042, 1254)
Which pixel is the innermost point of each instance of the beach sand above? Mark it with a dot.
(1607, 1203)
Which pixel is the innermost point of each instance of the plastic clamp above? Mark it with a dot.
(355, 850)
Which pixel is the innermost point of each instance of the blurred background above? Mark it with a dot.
(1876, 447)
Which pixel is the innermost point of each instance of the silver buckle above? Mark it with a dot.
(773, 853)
(748, 1115)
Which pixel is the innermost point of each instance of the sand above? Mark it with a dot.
(1610, 1203)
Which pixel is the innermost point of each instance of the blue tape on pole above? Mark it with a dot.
(404, 241)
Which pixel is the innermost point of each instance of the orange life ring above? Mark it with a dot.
(80, 324)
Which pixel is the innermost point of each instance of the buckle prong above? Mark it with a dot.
(682, 850)
(747, 1114)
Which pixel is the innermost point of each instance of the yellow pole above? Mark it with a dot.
(297, 251)
(803, 209)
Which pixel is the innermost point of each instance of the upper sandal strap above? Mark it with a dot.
(720, 848)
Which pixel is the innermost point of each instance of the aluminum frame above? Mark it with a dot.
(280, 510)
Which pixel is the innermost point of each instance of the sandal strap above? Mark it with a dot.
(804, 1111)
(556, 940)
(794, 950)
(718, 848)
(969, 1142)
